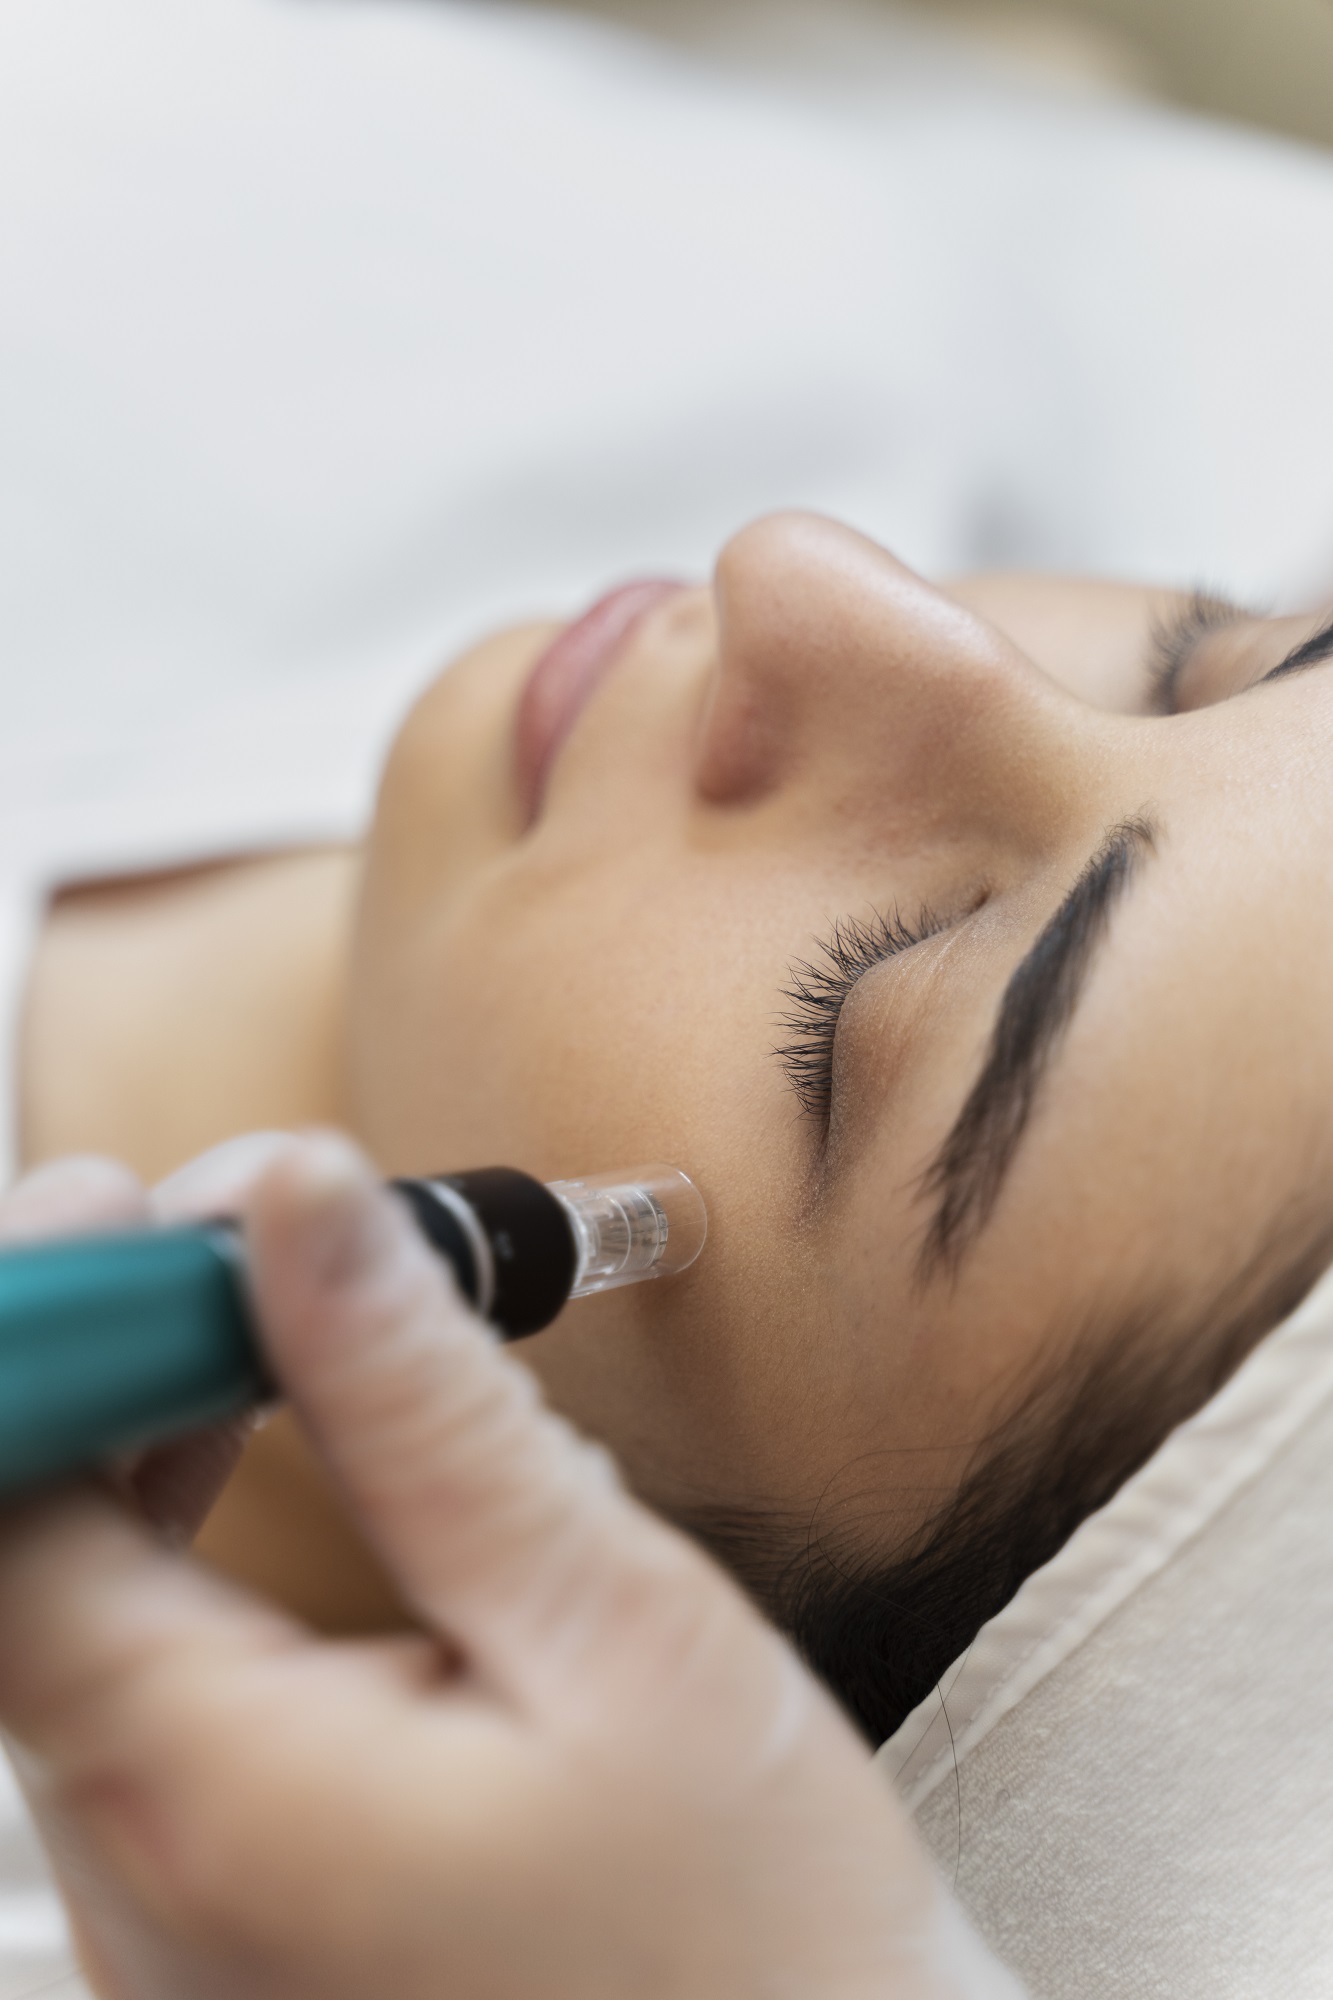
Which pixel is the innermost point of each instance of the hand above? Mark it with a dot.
(595, 1771)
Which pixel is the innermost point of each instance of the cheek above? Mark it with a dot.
(562, 1022)
(582, 1019)
(563, 1033)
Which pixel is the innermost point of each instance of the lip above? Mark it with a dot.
(567, 676)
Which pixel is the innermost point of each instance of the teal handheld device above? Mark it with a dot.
(114, 1342)
(110, 1342)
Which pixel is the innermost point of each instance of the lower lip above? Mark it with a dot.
(567, 676)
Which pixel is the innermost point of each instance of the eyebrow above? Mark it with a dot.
(968, 1172)
(1311, 652)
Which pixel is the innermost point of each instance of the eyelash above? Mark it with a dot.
(820, 989)
(1174, 638)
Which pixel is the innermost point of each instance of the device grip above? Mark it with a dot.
(110, 1343)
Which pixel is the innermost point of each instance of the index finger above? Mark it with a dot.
(501, 1527)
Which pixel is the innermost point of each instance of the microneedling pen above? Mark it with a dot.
(113, 1342)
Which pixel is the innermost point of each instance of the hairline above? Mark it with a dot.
(1133, 1390)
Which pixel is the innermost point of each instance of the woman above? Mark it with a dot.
(1002, 1180)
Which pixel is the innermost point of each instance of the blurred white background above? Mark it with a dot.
(336, 331)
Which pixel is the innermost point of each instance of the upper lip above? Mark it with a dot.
(567, 675)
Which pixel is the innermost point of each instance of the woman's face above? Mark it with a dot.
(1070, 1050)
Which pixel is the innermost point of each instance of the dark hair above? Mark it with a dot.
(881, 1629)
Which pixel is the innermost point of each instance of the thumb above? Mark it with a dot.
(499, 1525)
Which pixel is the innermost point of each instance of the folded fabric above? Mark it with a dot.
(1129, 1777)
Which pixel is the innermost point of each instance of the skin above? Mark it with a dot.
(820, 735)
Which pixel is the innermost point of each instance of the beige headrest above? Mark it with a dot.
(1129, 1776)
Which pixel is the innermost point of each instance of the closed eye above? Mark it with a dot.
(1176, 638)
(819, 990)
(1176, 641)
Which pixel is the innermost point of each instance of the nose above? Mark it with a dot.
(847, 682)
